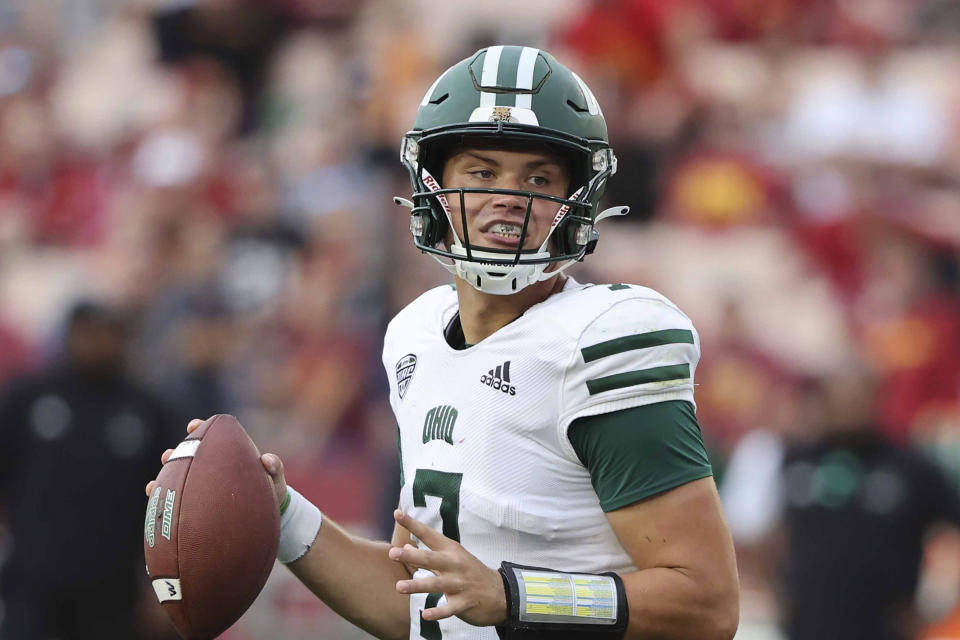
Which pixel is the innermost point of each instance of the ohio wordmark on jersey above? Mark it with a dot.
(483, 431)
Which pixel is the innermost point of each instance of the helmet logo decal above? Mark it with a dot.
(504, 114)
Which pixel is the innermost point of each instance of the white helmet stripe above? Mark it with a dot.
(528, 60)
(488, 78)
(429, 93)
(592, 105)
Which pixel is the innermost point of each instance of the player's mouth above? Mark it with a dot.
(503, 234)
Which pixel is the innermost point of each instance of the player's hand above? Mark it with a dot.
(474, 592)
(191, 427)
(271, 462)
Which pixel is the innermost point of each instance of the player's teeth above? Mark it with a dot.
(508, 230)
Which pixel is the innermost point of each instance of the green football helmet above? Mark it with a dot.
(513, 96)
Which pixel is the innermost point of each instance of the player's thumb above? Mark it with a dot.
(274, 467)
(272, 463)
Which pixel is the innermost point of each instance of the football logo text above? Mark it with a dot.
(168, 513)
(150, 524)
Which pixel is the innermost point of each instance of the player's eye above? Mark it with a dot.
(483, 174)
(539, 181)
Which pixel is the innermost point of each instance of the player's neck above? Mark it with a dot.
(483, 314)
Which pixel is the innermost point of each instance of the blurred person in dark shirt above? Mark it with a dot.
(76, 443)
(857, 509)
(16, 353)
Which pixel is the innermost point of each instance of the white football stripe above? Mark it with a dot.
(186, 449)
(167, 589)
(488, 78)
(528, 60)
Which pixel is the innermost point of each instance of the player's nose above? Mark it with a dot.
(510, 201)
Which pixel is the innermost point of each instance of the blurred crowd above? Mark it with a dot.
(220, 173)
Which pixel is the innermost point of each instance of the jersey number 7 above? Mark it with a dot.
(446, 486)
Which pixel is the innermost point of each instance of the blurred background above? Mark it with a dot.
(209, 181)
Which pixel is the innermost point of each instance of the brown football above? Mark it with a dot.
(211, 530)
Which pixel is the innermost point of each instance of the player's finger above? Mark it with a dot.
(439, 613)
(150, 486)
(193, 424)
(433, 584)
(420, 558)
(434, 539)
(166, 456)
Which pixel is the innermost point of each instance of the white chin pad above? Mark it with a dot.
(496, 279)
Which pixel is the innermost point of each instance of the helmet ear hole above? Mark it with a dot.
(592, 242)
(428, 222)
(420, 227)
(435, 226)
(575, 236)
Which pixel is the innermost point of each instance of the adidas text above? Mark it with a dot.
(499, 379)
(498, 384)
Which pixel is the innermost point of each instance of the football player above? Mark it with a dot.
(554, 480)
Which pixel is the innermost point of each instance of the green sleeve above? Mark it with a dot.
(637, 453)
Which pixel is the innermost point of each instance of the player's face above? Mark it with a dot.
(495, 219)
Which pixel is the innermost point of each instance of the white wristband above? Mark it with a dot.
(299, 526)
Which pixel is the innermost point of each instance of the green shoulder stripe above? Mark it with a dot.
(639, 341)
(643, 376)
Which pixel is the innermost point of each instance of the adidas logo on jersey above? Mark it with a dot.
(499, 379)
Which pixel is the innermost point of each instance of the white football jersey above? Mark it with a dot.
(483, 430)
